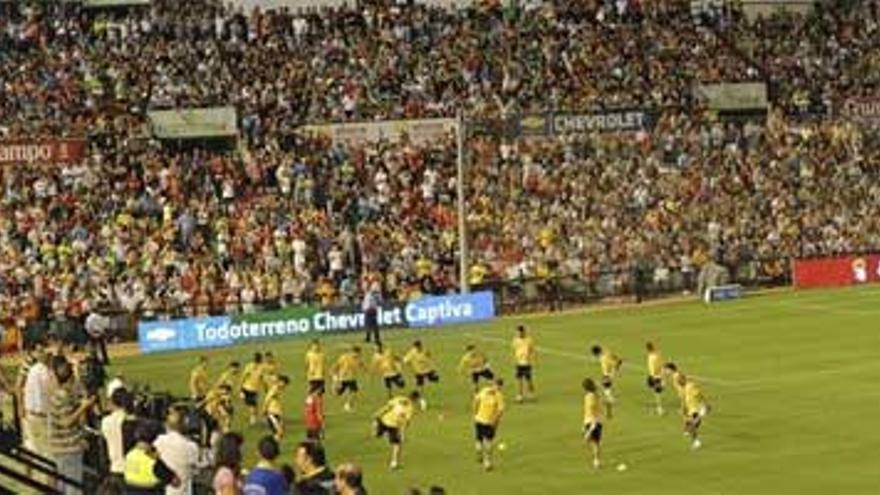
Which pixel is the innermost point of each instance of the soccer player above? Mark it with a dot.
(672, 370)
(392, 421)
(610, 365)
(271, 369)
(198, 380)
(695, 409)
(524, 356)
(655, 375)
(387, 364)
(488, 409)
(218, 407)
(345, 372)
(251, 381)
(314, 361)
(313, 416)
(592, 418)
(475, 363)
(273, 405)
(419, 359)
(229, 375)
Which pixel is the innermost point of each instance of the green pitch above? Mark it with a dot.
(792, 378)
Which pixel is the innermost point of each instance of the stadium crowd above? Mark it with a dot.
(287, 217)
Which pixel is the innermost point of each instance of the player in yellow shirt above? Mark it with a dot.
(592, 418)
(345, 373)
(388, 365)
(271, 369)
(251, 381)
(392, 421)
(229, 376)
(655, 375)
(198, 380)
(273, 406)
(419, 360)
(475, 363)
(488, 410)
(524, 356)
(217, 405)
(610, 365)
(315, 362)
(695, 409)
(671, 369)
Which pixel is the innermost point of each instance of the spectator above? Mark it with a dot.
(266, 478)
(227, 476)
(67, 415)
(145, 471)
(349, 480)
(179, 452)
(313, 475)
(37, 396)
(97, 327)
(112, 431)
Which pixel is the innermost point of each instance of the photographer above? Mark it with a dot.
(97, 329)
(179, 452)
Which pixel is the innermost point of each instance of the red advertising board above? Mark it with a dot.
(40, 151)
(837, 271)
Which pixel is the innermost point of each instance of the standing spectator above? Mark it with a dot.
(111, 430)
(145, 471)
(349, 480)
(227, 477)
(266, 478)
(67, 414)
(97, 327)
(179, 452)
(370, 307)
(313, 475)
(37, 387)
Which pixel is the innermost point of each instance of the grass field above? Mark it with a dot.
(792, 377)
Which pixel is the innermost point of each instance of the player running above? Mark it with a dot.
(315, 364)
(228, 376)
(610, 365)
(419, 360)
(273, 406)
(592, 419)
(524, 356)
(271, 369)
(217, 407)
(387, 364)
(695, 409)
(392, 421)
(345, 373)
(475, 363)
(655, 375)
(488, 409)
(313, 415)
(198, 380)
(251, 381)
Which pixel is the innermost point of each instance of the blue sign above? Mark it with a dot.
(189, 333)
(434, 311)
(723, 293)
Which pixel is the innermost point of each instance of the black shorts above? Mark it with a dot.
(250, 397)
(606, 381)
(695, 420)
(524, 371)
(274, 423)
(347, 385)
(594, 435)
(317, 386)
(393, 434)
(394, 380)
(655, 384)
(483, 373)
(484, 432)
(314, 433)
(431, 376)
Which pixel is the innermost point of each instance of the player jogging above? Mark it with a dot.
(388, 366)
(392, 421)
(655, 375)
(524, 356)
(273, 406)
(488, 409)
(610, 365)
(251, 381)
(314, 361)
(198, 380)
(345, 372)
(592, 419)
(695, 409)
(419, 359)
(475, 363)
(228, 376)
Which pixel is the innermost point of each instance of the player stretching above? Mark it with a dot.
(273, 405)
(314, 362)
(419, 359)
(345, 372)
(592, 419)
(387, 364)
(392, 421)
(694, 407)
(251, 381)
(524, 356)
(655, 375)
(488, 409)
(475, 363)
(610, 365)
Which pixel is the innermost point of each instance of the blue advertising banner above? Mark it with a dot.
(189, 333)
(434, 311)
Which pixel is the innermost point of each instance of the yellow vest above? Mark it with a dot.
(139, 469)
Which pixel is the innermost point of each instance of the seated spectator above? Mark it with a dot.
(313, 475)
(227, 460)
(266, 478)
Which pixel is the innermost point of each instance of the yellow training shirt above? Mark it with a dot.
(397, 413)
(488, 406)
(347, 366)
(609, 363)
(473, 361)
(693, 398)
(592, 408)
(273, 402)
(198, 381)
(386, 364)
(252, 377)
(523, 350)
(314, 365)
(419, 360)
(655, 364)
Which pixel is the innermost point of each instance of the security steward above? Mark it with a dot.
(145, 473)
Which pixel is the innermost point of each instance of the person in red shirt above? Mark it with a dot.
(314, 416)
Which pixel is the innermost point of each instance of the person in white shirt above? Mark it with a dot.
(178, 452)
(37, 390)
(111, 430)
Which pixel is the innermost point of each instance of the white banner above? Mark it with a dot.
(418, 131)
(734, 96)
(194, 123)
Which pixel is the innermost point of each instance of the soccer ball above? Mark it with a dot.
(502, 446)
(621, 467)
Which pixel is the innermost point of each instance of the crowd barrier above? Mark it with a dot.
(836, 271)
